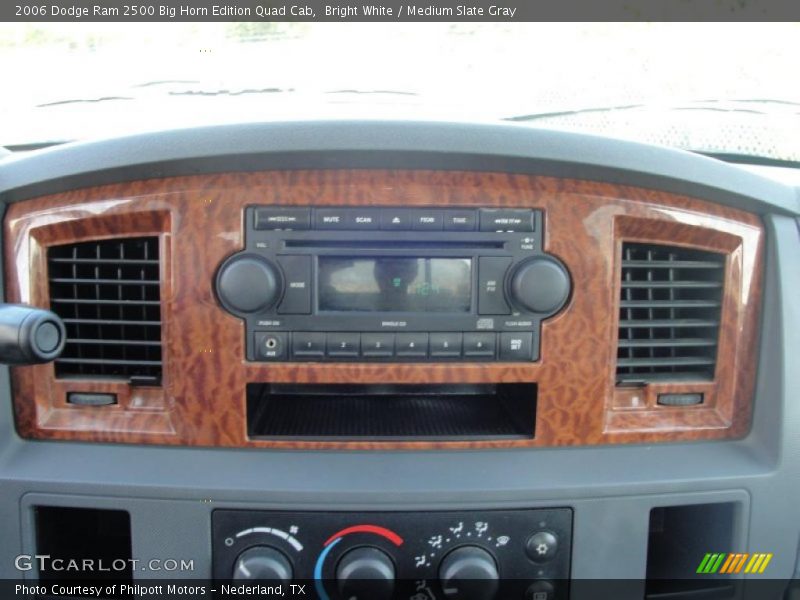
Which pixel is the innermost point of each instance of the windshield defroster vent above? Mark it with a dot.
(670, 304)
(108, 294)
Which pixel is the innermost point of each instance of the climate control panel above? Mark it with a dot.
(480, 555)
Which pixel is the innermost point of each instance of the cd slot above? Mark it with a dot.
(394, 244)
(391, 412)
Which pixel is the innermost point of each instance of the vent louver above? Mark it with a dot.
(670, 305)
(108, 294)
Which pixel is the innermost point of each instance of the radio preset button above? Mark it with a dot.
(412, 345)
(395, 218)
(297, 285)
(276, 217)
(446, 345)
(306, 344)
(516, 345)
(377, 345)
(459, 220)
(427, 220)
(506, 219)
(343, 345)
(480, 345)
(491, 279)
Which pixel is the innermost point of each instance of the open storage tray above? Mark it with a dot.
(391, 412)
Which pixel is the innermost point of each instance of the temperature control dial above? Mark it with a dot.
(263, 563)
(365, 573)
(469, 573)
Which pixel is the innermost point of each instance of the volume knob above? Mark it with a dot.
(248, 283)
(540, 285)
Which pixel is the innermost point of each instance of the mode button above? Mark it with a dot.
(297, 285)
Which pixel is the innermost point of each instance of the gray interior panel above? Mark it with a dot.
(389, 144)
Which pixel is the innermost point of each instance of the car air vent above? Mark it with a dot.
(108, 294)
(669, 318)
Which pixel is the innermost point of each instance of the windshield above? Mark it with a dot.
(716, 88)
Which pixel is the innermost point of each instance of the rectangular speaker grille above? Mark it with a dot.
(670, 304)
(108, 294)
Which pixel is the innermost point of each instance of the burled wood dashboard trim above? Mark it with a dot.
(199, 223)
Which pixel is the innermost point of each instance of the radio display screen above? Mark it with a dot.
(395, 284)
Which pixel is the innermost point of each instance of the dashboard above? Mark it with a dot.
(357, 356)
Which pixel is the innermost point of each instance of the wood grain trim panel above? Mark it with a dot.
(199, 222)
(727, 398)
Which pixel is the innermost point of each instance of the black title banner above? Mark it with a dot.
(399, 10)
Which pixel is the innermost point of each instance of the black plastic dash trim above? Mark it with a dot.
(670, 302)
(108, 294)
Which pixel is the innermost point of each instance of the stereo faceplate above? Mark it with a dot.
(392, 284)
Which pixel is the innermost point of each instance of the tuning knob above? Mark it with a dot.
(264, 563)
(248, 283)
(469, 573)
(539, 285)
(365, 573)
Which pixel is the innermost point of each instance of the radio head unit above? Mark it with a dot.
(392, 284)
